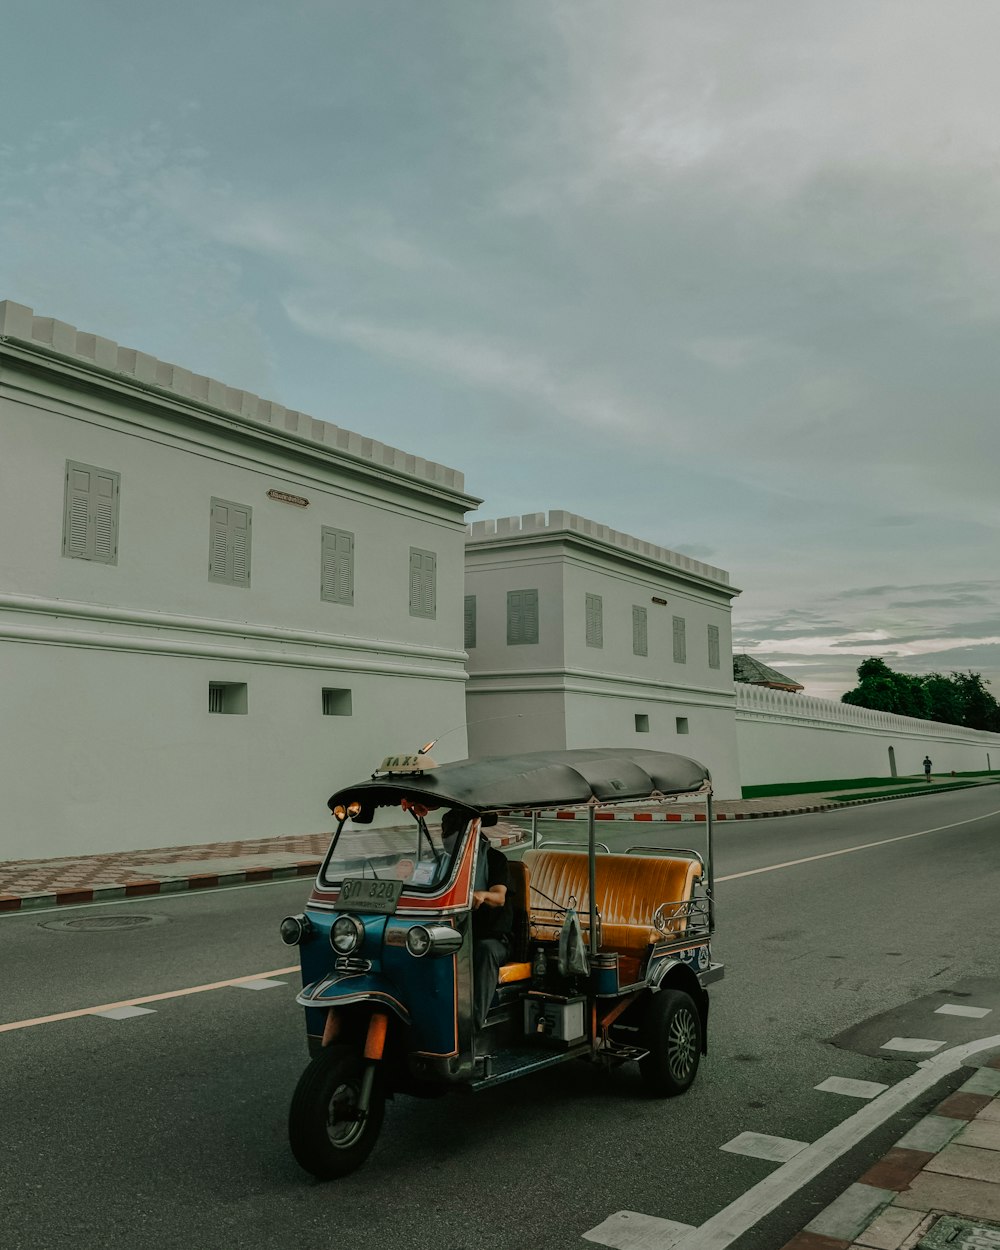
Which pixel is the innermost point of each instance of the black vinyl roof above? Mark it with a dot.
(538, 779)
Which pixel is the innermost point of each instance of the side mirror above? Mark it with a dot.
(488, 820)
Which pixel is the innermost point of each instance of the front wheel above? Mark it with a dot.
(328, 1134)
(672, 1034)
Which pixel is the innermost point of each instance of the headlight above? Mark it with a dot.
(295, 930)
(418, 940)
(434, 939)
(347, 934)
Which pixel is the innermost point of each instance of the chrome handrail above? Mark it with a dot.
(579, 845)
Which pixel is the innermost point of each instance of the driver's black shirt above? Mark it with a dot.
(494, 922)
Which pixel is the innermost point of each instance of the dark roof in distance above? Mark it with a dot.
(753, 672)
(536, 780)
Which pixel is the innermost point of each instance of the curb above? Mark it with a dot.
(903, 1195)
(180, 884)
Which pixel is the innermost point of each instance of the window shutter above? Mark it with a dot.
(90, 521)
(713, 646)
(239, 521)
(680, 641)
(595, 621)
(639, 636)
(229, 543)
(337, 566)
(470, 622)
(522, 617)
(423, 587)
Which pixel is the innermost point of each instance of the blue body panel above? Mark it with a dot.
(421, 991)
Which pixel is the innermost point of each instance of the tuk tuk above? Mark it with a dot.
(608, 957)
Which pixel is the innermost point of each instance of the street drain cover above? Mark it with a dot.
(951, 1232)
(102, 924)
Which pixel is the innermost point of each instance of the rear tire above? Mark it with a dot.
(672, 1034)
(324, 1136)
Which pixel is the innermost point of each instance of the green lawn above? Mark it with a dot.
(846, 783)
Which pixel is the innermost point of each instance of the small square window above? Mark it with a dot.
(641, 723)
(336, 702)
(682, 724)
(229, 698)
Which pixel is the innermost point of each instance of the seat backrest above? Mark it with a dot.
(629, 887)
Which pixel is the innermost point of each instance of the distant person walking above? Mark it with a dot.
(927, 768)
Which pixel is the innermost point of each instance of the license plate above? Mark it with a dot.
(362, 894)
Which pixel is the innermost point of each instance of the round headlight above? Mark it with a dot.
(347, 934)
(418, 940)
(294, 930)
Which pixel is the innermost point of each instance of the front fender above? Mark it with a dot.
(341, 988)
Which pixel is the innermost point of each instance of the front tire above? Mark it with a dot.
(325, 1136)
(672, 1034)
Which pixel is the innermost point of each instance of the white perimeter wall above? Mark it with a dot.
(791, 737)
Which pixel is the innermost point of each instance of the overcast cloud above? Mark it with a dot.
(725, 276)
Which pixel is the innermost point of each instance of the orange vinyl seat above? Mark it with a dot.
(510, 973)
(630, 888)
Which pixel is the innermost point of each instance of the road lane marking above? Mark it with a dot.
(912, 1045)
(849, 850)
(258, 985)
(124, 1013)
(631, 1230)
(722, 1229)
(955, 1009)
(852, 1088)
(764, 1146)
(146, 998)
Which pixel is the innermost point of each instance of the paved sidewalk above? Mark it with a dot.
(938, 1188)
(127, 874)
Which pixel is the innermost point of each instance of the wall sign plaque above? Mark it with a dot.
(284, 497)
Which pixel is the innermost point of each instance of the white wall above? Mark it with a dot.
(105, 668)
(785, 737)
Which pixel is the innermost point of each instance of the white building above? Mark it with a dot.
(212, 610)
(581, 636)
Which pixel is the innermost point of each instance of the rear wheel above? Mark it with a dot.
(672, 1034)
(329, 1136)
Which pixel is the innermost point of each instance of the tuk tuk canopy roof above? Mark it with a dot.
(536, 780)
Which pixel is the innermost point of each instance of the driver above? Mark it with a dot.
(492, 915)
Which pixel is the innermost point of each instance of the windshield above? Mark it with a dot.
(420, 851)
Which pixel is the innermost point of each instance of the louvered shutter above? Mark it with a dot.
(639, 642)
(713, 646)
(530, 611)
(90, 521)
(423, 589)
(595, 621)
(229, 543)
(680, 641)
(338, 566)
(470, 622)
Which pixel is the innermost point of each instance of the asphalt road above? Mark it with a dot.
(167, 1129)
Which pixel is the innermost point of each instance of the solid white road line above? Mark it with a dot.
(104, 1008)
(767, 1195)
(849, 850)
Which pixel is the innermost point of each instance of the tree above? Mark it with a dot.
(961, 699)
(876, 687)
(944, 699)
(979, 708)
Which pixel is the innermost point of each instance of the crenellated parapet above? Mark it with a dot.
(19, 325)
(760, 703)
(555, 522)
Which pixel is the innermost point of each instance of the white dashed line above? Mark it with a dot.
(257, 985)
(762, 1146)
(912, 1045)
(853, 1089)
(124, 1013)
(954, 1009)
(630, 1230)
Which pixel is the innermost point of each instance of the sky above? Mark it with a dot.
(722, 275)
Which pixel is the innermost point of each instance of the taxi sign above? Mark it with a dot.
(406, 764)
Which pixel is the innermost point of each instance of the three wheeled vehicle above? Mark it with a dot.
(386, 941)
